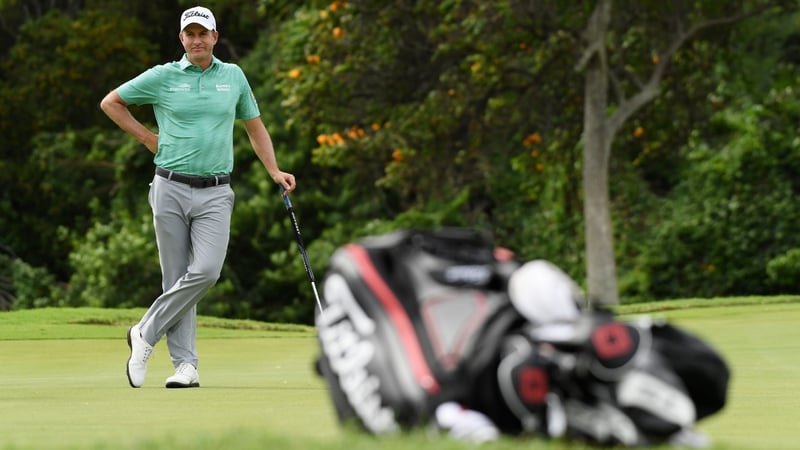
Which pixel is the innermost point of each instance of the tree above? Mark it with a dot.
(446, 106)
(601, 122)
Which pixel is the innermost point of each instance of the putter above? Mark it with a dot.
(300, 245)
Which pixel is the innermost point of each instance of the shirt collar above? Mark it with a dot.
(184, 62)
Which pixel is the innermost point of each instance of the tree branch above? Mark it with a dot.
(595, 35)
(651, 89)
(616, 85)
(595, 47)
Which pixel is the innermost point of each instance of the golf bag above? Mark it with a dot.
(417, 319)
(408, 318)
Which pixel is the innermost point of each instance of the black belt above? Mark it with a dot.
(193, 180)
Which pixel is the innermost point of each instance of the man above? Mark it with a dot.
(195, 101)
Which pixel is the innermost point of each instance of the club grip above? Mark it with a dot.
(285, 195)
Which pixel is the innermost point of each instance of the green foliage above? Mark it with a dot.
(62, 67)
(437, 110)
(409, 114)
(23, 286)
(7, 291)
(115, 265)
(52, 81)
(784, 270)
(735, 209)
(34, 287)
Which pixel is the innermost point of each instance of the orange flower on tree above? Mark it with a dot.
(638, 132)
(397, 155)
(338, 32)
(531, 139)
(355, 132)
(313, 59)
(376, 126)
(294, 73)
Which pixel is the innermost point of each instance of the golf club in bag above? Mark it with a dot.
(300, 245)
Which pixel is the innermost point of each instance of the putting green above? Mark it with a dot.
(75, 392)
(63, 385)
(761, 343)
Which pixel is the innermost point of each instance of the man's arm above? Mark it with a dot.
(117, 110)
(262, 145)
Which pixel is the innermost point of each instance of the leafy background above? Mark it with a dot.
(404, 114)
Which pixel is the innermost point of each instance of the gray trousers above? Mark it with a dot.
(192, 228)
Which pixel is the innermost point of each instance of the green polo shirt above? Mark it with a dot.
(195, 111)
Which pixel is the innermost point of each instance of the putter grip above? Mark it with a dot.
(285, 196)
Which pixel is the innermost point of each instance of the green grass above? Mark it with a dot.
(63, 384)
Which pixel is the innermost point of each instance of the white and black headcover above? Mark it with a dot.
(544, 294)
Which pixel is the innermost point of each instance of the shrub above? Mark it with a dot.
(735, 209)
(115, 265)
(784, 271)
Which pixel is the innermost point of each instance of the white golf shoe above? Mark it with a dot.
(140, 353)
(186, 376)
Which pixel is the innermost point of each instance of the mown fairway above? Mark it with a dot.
(63, 384)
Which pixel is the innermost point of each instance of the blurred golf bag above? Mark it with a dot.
(415, 320)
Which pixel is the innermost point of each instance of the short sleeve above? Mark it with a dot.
(143, 89)
(246, 106)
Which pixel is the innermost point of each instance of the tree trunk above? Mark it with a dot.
(600, 129)
(597, 137)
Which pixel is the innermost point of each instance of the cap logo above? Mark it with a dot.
(189, 14)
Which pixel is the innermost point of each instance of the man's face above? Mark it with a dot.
(198, 42)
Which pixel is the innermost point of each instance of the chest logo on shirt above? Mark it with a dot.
(183, 87)
(223, 88)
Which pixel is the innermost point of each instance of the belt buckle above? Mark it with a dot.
(206, 182)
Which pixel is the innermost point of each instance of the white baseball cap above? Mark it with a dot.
(198, 15)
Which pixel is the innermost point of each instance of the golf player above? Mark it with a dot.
(195, 101)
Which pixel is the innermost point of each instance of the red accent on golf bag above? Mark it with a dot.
(523, 383)
(398, 318)
(409, 317)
